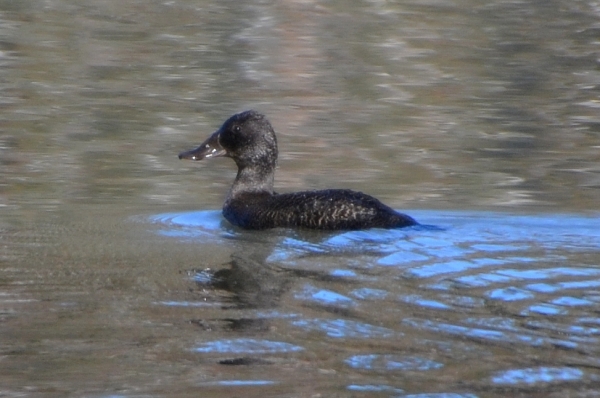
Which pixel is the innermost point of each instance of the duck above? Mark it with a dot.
(249, 139)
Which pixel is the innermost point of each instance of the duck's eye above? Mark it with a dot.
(237, 129)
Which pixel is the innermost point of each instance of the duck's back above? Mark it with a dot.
(333, 209)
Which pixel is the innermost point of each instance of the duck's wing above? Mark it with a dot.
(332, 209)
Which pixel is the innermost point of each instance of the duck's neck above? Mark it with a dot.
(252, 179)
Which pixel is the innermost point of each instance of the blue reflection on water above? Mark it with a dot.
(209, 220)
(324, 297)
(239, 383)
(206, 225)
(341, 328)
(247, 346)
(424, 302)
(449, 267)
(570, 329)
(440, 395)
(366, 293)
(544, 309)
(549, 272)
(541, 266)
(402, 257)
(374, 388)
(521, 336)
(571, 301)
(343, 273)
(510, 293)
(537, 375)
(468, 241)
(391, 362)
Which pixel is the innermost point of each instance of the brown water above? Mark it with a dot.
(118, 277)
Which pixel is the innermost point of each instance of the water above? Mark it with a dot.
(118, 276)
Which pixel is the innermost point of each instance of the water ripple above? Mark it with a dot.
(391, 362)
(480, 279)
(341, 328)
(537, 375)
(246, 346)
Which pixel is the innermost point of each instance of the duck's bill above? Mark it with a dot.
(209, 149)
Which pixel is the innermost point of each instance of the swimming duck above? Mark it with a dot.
(249, 139)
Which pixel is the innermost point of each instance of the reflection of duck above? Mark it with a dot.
(249, 140)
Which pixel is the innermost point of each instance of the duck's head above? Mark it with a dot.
(248, 138)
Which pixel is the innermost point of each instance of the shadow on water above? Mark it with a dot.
(474, 281)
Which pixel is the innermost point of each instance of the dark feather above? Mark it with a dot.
(250, 141)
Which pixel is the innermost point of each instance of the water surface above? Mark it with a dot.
(119, 277)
